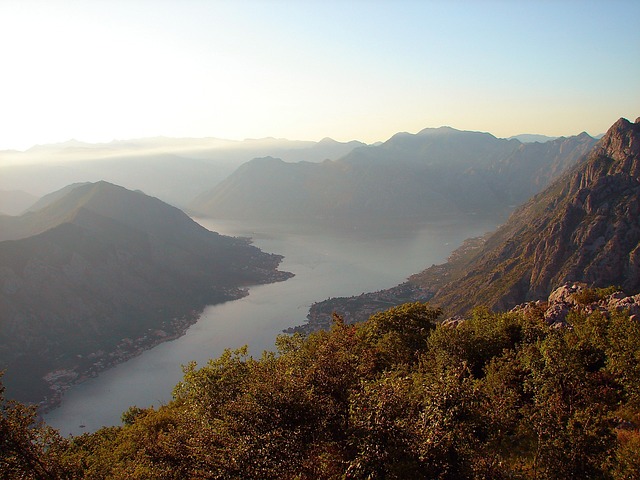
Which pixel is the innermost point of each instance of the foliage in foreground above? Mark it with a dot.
(498, 396)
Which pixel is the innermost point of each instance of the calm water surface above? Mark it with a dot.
(326, 264)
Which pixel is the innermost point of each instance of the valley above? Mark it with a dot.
(117, 256)
(325, 264)
(271, 240)
(362, 346)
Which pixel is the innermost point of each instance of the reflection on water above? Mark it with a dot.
(326, 264)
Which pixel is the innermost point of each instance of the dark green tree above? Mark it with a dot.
(28, 448)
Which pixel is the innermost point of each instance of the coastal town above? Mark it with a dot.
(359, 308)
(91, 365)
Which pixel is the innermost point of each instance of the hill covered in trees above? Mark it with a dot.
(101, 272)
(499, 395)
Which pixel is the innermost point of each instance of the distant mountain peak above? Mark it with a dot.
(439, 130)
(532, 138)
(52, 197)
(268, 160)
(72, 143)
(327, 141)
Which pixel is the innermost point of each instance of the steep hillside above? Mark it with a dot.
(102, 264)
(585, 227)
(399, 396)
(437, 173)
(533, 166)
(48, 199)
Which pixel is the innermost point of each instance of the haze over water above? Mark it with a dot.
(325, 263)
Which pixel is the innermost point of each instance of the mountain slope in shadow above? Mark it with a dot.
(101, 264)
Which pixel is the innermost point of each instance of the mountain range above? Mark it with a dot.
(584, 227)
(95, 264)
(434, 174)
(175, 170)
(548, 389)
(98, 264)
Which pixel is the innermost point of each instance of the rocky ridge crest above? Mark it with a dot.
(573, 297)
(585, 227)
(578, 296)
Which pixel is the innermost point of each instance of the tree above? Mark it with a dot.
(28, 448)
(401, 333)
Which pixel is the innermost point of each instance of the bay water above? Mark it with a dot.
(326, 264)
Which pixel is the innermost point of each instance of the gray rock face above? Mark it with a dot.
(564, 294)
(572, 295)
(583, 228)
(453, 322)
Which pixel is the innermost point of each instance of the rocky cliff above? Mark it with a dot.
(584, 227)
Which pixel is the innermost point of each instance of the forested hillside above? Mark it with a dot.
(98, 274)
(499, 395)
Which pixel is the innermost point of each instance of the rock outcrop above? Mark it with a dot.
(572, 296)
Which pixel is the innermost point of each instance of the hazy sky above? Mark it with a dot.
(99, 70)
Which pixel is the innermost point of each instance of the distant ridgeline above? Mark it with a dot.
(435, 174)
(174, 170)
(97, 273)
(584, 227)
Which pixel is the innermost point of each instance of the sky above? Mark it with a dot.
(96, 71)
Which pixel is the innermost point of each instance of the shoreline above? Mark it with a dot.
(359, 308)
(92, 365)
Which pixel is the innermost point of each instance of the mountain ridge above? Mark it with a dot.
(101, 264)
(584, 227)
(174, 170)
(434, 174)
